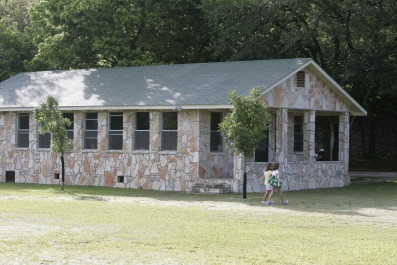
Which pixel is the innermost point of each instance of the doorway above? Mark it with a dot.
(327, 137)
(10, 176)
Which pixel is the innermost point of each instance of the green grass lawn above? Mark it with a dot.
(39, 224)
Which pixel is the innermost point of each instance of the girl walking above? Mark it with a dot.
(269, 188)
(276, 182)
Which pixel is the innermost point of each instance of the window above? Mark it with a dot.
(45, 140)
(91, 131)
(169, 132)
(262, 150)
(23, 130)
(69, 129)
(298, 133)
(300, 79)
(142, 131)
(10, 176)
(120, 179)
(115, 131)
(216, 138)
(56, 175)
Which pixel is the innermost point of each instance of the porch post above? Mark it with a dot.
(344, 141)
(309, 136)
(282, 137)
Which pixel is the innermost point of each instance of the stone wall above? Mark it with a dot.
(300, 176)
(316, 95)
(129, 168)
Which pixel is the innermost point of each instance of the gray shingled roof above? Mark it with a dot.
(205, 84)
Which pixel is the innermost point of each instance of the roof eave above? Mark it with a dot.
(122, 107)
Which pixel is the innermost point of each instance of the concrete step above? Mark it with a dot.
(206, 188)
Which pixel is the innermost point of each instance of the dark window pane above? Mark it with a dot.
(262, 150)
(216, 138)
(23, 139)
(70, 134)
(91, 134)
(70, 116)
(92, 116)
(298, 128)
(169, 140)
(116, 142)
(298, 146)
(90, 143)
(44, 140)
(170, 121)
(216, 118)
(216, 142)
(141, 140)
(116, 122)
(24, 121)
(142, 121)
(91, 124)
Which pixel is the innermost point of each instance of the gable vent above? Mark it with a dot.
(300, 79)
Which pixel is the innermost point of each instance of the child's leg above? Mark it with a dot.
(280, 194)
(266, 195)
(270, 195)
(282, 201)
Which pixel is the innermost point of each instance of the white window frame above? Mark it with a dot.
(115, 132)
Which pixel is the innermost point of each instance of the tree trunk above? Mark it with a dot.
(245, 181)
(63, 172)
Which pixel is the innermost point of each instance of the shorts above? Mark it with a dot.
(268, 187)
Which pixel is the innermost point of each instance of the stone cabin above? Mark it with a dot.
(156, 127)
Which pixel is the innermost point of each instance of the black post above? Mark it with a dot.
(63, 172)
(245, 186)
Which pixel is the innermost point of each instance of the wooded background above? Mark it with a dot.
(355, 41)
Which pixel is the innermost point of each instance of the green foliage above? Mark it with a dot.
(102, 33)
(245, 126)
(51, 120)
(15, 46)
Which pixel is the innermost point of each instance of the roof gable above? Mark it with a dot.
(314, 95)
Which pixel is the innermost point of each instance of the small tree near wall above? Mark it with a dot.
(245, 126)
(51, 120)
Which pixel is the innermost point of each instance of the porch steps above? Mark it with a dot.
(211, 188)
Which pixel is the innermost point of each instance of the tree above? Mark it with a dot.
(51, 120)
(102, 33)
(15, 45)
(355, 41)
(245, 126)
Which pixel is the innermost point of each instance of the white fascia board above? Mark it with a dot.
(139, 107)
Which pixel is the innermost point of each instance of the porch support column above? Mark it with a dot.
(282, 137)
(309, 136)
(344, 140)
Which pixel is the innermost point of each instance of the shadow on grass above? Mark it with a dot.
(348, 200)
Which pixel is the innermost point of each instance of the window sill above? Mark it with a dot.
(89, 150)
(141, 151)
(114, 151)
(22, 148)
(217, 153)
(168, 152)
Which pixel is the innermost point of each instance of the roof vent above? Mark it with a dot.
(300, 79)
